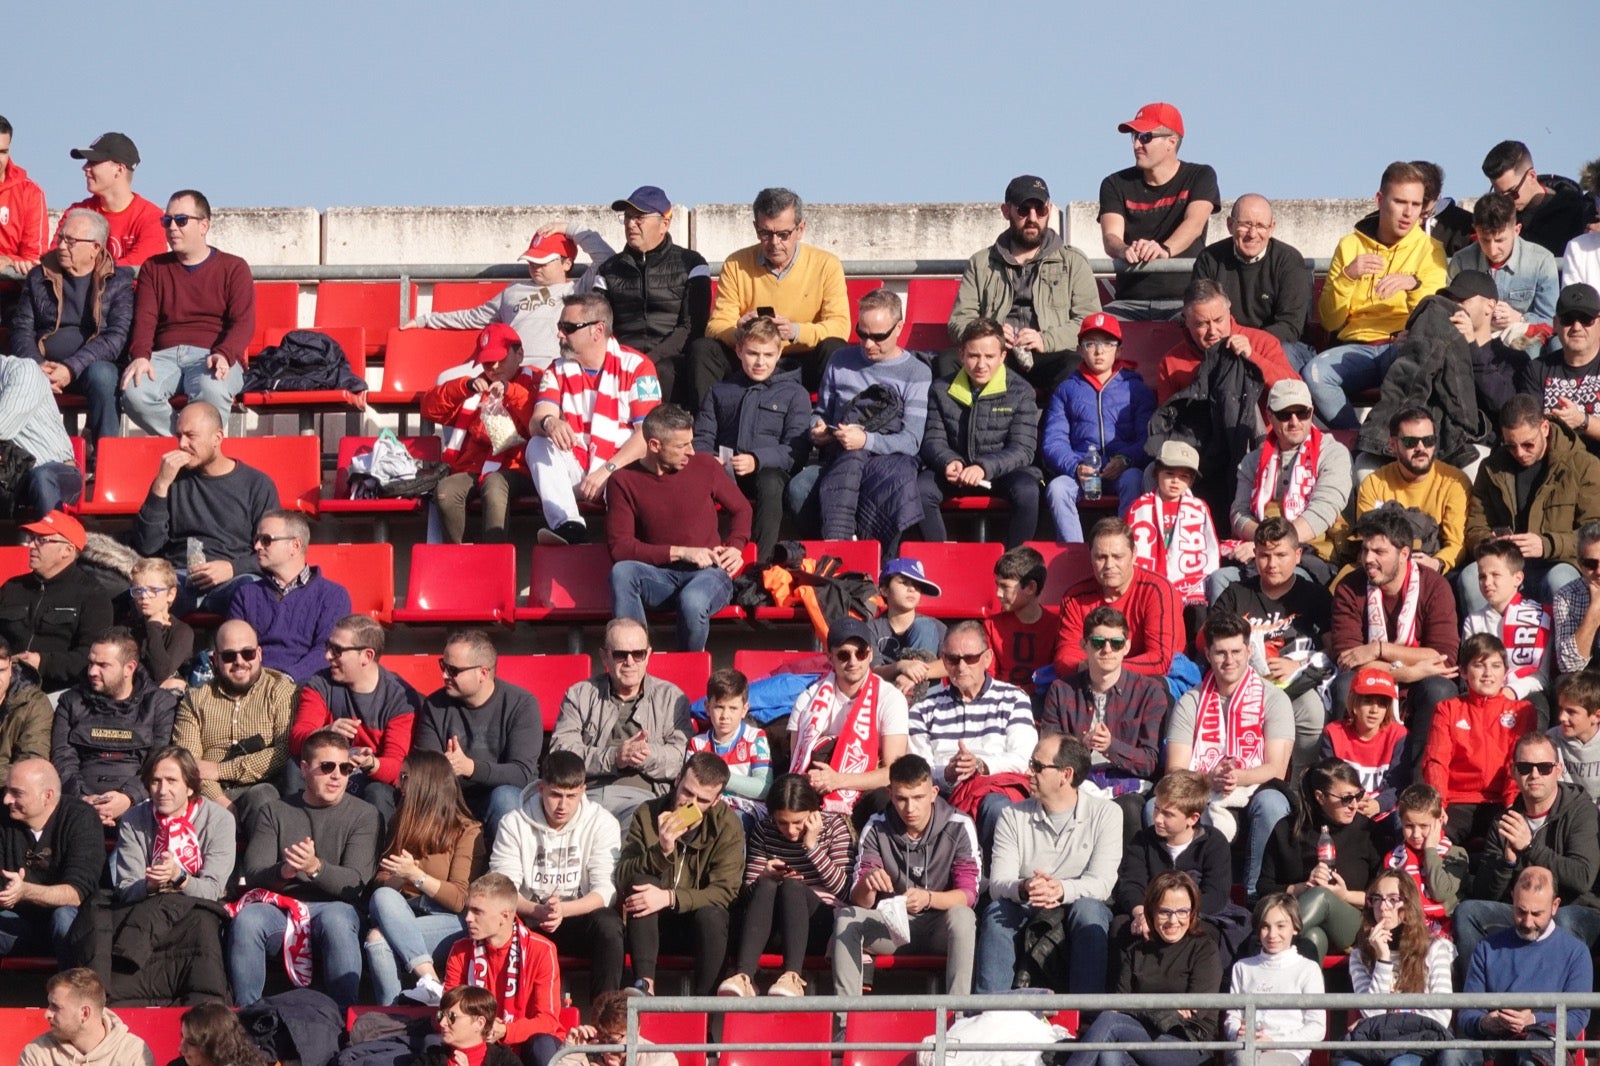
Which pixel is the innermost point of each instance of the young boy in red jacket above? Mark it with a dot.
(514, 963)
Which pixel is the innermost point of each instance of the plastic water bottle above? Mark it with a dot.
(1091, 481)
(1325, 850)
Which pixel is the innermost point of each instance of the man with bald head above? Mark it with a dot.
(1266, 280)
(51, 855)
(237, 724)
(201, 514)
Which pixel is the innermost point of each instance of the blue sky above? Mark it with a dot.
(299, 103)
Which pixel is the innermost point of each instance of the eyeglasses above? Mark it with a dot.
(70, 243)
(141, 592)
(1148, 136)
(1293, 414)
(1032, 207)
(1349, 799)
(337, 650)
(1529, 769)
(1110, 343)
(971, 658)
(1571, 318)
(569, 328)
(1173, 914)
(628, 218)
(1114, 643)
(35, 538)
(1589, 564)
(1425, 442)
(846, 654)
(1037, 767)
(328, 766)
(456, 671)
(1252, 227)
(1512, 192)
(780, 235)
(629, 655)
(875, 338)
(1376, 901)
(180, 220)
(267, 541)
(229, 656)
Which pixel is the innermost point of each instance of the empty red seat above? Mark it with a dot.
(886, 1027)
(1065, 566)
(807, 1027)
(365, 570)
(159, 1027)
(461, 295)
(426, 448)
(689, 670)
(373, 305)
(13, 561)
(661, 1027)
(452, 583)
(571, 583)
(546, 676)
(20, 1026)
(421, 672)
(414, 358)
(929, 302)
(964, 574)
(756, 665)
(277, 307)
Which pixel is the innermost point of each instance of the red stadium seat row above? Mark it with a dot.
(158, 1027)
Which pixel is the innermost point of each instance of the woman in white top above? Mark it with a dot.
(1395, 952)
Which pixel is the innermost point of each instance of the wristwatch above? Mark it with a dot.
(611, 468)
(418, 881)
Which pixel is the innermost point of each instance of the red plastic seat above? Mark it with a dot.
(809, 1027)
(159, 1027)
(886, 1027)
(929, 302)
(689, 670)
(661, 1027)
(413, 360)
(13, 563)
(571, 583)
(353, 340)
(756, 665)
(125, 466)
(855, 289)
(452, 583)
(365, 570)
(277, 307)
(546, 676)
(964, 574)
(1065, 566)
(373, 305)
(426, 448)
(19, 1026)
(461, 295)
(1143, 345)
(421, 672)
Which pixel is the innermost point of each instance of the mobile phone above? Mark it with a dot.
(766, 312)
(689, 816)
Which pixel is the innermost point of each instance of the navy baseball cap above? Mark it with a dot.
(649, 199)
(847, 629)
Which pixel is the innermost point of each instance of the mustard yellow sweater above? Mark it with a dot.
(1442, 495)
(811, 295)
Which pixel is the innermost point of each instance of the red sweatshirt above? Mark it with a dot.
(538, 986)
(212, 306)
(393, 710)
(24, 222)
(647, 514)
(1179, 364)
(136, 231)
(1155, 623)
(1468, 757)
(442, 405)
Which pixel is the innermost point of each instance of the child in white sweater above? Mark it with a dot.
(1279, 968)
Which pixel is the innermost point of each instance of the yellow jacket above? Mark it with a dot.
(1443, 494)
(1351, 311)
(811, 295)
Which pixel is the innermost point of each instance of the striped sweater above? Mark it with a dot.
(996, 725)
(1379, 979)
(825, 868)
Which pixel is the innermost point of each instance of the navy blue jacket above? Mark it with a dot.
(767, 419)
(1115, 418)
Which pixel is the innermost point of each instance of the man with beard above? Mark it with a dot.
(1568, 378)
(1417, 482)
(237, 724)
(107, 724)
(1266, 280)
(1037, 287)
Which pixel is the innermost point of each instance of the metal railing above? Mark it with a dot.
(1246, 1044)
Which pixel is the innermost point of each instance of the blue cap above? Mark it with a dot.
(911, 570)
(847, 629)
(648, 199)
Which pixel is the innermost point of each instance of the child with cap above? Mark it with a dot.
(1173, 533)
(533, 307)
(1370, 738)
(1102, 407)
(900, 630)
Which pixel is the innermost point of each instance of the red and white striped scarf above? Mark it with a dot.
(176, 836)
(507, 988)
(1301, 479)
(1239, 733)
(1405, 624)
(1403, 858)
(1525, 630)
(296, 932)
(1188, 554)
(601, 409)
(855, 750)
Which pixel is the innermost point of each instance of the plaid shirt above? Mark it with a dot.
(211, 721)
(1571, 601)
(1136, 707)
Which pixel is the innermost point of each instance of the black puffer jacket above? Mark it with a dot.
(660, 299)
(98, 743)
(998, 430)
(767, 419)
(1434, 370)
(58, 619)
(38, 312)
(1220, 414)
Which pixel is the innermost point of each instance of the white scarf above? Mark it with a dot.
(1302, 479)
(855, 751)
(1406, 623)
(1239, 733)
(1192, 551)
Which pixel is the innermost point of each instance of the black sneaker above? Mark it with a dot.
(638, 988)
(565, 533)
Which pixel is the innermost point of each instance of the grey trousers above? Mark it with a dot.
(953, 932)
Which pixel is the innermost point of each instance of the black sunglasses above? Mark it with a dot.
(875, 338)
(633, 655)
(971, 658)
(337, 650)
(1576, 317)
(569, 328)
(1427, 442)
(1115, 643)
(1589, 564)
(1038, 767)
(1301, 413)
(233, 655)
(455, 671)
(180, 220)
(1543, 769)
(328, 766)
(1349, 799)
(1148, 136)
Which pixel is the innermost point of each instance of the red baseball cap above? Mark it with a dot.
(1375, 681)
(544, 249)
(1154, 117)
(61, 524)
(494, 342)
(1100, 322)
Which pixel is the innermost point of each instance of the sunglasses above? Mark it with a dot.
(875, 338)
(1349, 799)
(971, 658)
(569, 328)
(180, 220)
(1148, 136)
(1426, 442)
(846, 654)
(1590, 564)
(1527, 769)
(1035, 766)
(328, 766)
(233, 655)
(1114, 643)
(630, 655)
(266, 540)
(1576, 317)
(1032, 207)
(456, 671)
(337, 650)
(448, 1017)
(1292, 414)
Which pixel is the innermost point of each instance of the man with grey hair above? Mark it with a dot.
(1576, 608)
(663, 531)
(74, 315)
(1266, 280)
(293, 608)
(799, 286)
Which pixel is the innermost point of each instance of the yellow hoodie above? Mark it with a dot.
(1351, 311)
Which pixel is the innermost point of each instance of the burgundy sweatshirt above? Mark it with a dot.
(646, 514)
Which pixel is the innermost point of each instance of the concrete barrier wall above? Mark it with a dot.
(353, 235)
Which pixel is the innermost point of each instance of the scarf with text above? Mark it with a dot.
(856, 749)
(1301, 479)
(296, 931)
(1524, 630)
(1185, 555)
(1405, 623)
(1238, 733)
(176, 836)
(506, 990)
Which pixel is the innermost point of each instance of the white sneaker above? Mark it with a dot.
(427, 991)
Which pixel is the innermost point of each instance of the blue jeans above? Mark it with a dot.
(503, 799)
(1541, 578)
(1344, 369)
(181, 368)
(98, 385)
(1000, 933)
(31, 939)
(1116, 1026)
(407, 937)
(257, 933)
(1063, 493)
(51, 484)
(1267, 808)
(1299, 353)
(990, 809)
(696, 595)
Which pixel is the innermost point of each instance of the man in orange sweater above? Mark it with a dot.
(514, 963)
(1151, 604)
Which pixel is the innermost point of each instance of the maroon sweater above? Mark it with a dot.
(211, 307)
(647, 514)
(1437, 625)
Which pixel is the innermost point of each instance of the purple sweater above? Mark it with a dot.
(293, 629)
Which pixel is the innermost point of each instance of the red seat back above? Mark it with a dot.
(160, 1028)
(293, 463)
(414, 359)
(664, 1028)
(546, 676)
(123, 470)
(460, 295)
(277, 307)
(429, 449)
(855, 289)
(756, 665)
(1065, 565)
(689, 670)
(964, 574)
(13, 563)
(858, 556)
(806, 1027)
(1143, 345)
(353, 339)
(421, 672)
(19, 1026)
(365, 570)
(886, 1027)
(575, 578)
(931, 299)
(374, 305)
(461, 583)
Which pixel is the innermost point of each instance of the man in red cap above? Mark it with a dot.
(51, 615)
(136, 230)
(485, 417)
(1155, 209)
(532, 307)
(1032, 283)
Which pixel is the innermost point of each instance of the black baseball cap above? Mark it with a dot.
(117, 147)
(847, 629)
(1578, 298)
(1470, 283)
(1026, 187)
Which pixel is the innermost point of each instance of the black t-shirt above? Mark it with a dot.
(1154, 212)
(1305, 611)
(77, 319)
